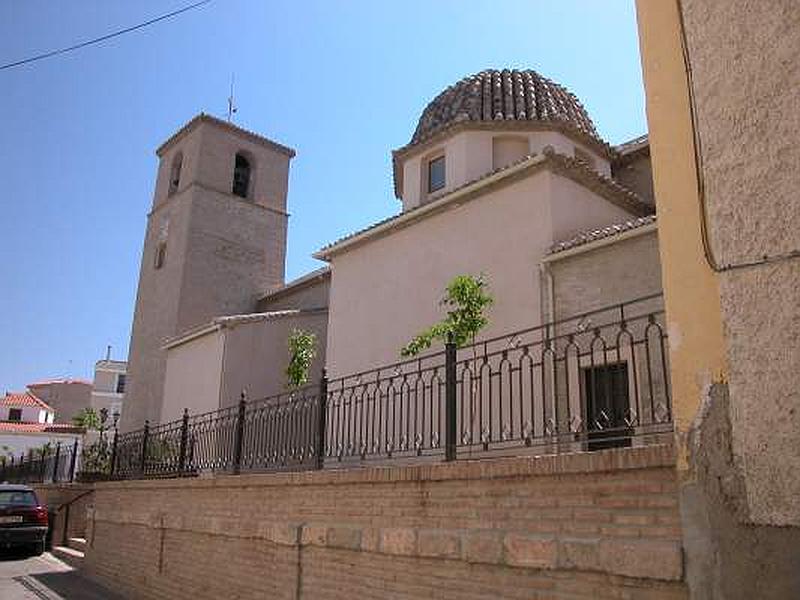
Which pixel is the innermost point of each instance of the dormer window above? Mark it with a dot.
(241, 176)
(436, 174)
(175, 173)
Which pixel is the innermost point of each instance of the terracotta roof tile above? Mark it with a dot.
(601, 233)
(24, 399)
(508, 95)
(18, 427)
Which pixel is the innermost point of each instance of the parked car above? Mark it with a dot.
(23, 519)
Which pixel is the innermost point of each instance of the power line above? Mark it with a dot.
(103, 38)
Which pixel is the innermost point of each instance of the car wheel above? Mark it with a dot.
(38, 548)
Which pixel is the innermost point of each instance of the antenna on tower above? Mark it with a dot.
(231, 105)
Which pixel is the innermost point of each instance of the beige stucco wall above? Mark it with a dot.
(385, 291)
(257, 354)
(211, 370)
(193, 376)
(469, 155)
(749, 124)
(68, 398)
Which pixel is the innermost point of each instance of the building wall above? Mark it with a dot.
(222, 251)
(387, 290)
(470, 155)
(733, 329)
(314, 294)
(68, 398)
(575, 526)
(257, 354)
(193, 377)
(751, 194)
(609, 274)
(636, 173)
(210, 371)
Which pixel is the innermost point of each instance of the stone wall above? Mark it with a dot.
(600, 525)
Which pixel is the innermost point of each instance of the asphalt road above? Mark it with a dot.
(45, 578)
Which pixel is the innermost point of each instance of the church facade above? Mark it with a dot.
(505, 176)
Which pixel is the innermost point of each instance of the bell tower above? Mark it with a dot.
(215, 241)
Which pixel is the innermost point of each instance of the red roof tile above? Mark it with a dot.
(18, 427)
(24, 399)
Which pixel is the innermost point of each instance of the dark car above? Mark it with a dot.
(23, 520)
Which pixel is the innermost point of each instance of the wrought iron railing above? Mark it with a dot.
(592, 381)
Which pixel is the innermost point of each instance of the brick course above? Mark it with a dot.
(601, 525)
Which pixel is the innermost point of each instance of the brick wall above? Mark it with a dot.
(56, 497)
(573, 526)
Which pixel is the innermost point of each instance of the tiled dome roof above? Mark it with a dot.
(507, 95)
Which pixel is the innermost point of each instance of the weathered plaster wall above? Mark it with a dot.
(728, 558)
(691, 289)
(748, 122)
(598, 525)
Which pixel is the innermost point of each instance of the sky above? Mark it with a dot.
(342, 82)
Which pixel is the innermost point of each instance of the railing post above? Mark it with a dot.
(145, 435)
(322, 418)
(113, 466)
(42, 464)
(239, 437)
(450, 398)
(184, 440)
(55, 462)
(73, 460)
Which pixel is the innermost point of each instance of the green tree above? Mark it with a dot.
(466, 298)
(87, 418)
(302, 351)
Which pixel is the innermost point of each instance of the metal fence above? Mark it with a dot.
(592, 381)
(56, 463)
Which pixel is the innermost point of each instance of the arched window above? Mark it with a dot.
(241, 176)
(175, 173)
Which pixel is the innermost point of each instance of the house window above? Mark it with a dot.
(607, 406)
(175, 174)
(121, 383)
(161, 255)
(241, 176)
(15, 414)
(436, 174)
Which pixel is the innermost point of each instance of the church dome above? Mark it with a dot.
(508, 95)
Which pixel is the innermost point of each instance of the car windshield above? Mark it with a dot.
(17, 498)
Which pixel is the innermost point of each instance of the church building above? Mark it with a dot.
(505, 176)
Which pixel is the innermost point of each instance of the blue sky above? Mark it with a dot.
(341, 82)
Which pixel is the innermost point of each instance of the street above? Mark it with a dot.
(44, 577)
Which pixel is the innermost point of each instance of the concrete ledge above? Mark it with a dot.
(644, 457)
